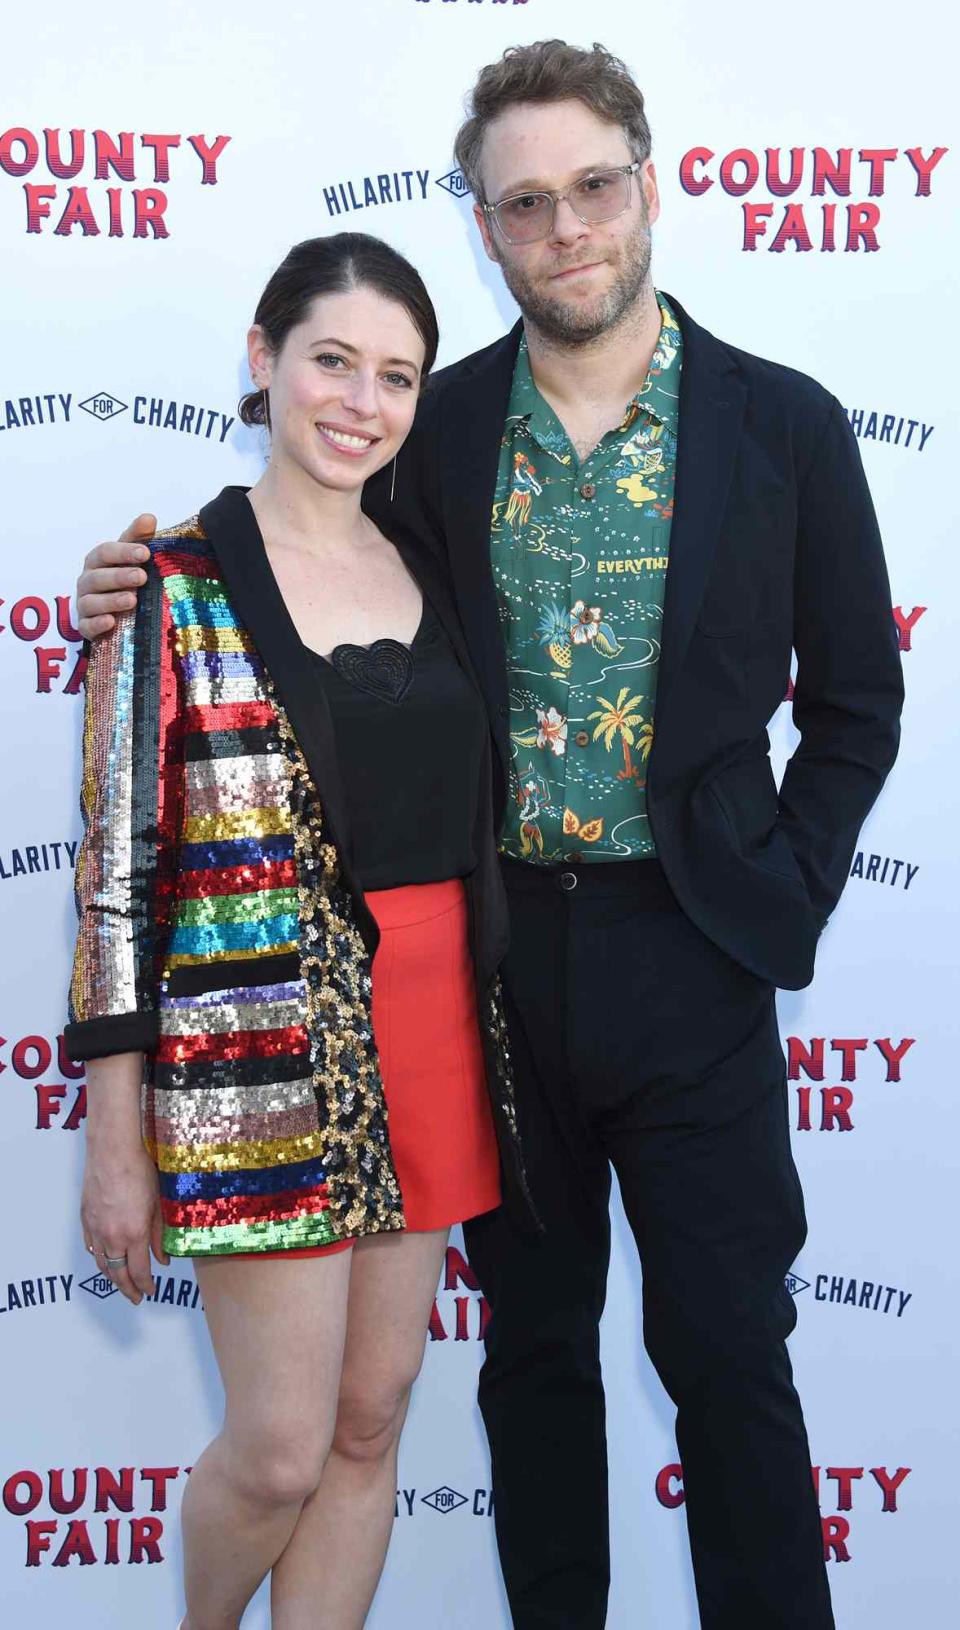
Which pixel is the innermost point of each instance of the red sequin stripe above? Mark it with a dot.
(228, 716)
(233, 1044)
(244, 1208)
(179, 563)
(266, 874)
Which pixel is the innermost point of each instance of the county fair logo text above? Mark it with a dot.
(86, 1496)
(829, 1108)
(56, 1102)
(827, 226)
(882, 1493)
(54, 156)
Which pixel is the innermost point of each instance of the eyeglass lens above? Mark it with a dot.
(598, 197)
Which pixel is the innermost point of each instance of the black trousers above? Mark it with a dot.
(638, 1044)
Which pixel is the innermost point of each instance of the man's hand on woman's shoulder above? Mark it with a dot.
(112, 574)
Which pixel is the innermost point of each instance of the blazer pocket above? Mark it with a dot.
(746, 795)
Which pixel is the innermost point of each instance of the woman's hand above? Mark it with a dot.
(120, 1215)
(120, 1207)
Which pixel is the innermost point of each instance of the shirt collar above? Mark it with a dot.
(658, 396)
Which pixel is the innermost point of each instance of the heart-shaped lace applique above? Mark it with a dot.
(383, 669)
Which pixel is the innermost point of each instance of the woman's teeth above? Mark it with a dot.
(343, 440)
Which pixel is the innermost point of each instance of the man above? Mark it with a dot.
(640, 523)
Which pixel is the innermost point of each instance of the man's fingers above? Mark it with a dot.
(105, 579)
(90, 628)
(117, 552)
(143, 527)
(100, 605)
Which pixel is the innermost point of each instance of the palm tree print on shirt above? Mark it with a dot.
(622, 720)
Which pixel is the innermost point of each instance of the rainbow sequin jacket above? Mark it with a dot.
(220, 931)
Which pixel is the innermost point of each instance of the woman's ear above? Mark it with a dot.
(260, 357)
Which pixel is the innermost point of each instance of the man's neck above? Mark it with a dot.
(609, 369)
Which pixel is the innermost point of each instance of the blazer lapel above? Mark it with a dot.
(712, 400)
(474, 411)
(233, 533)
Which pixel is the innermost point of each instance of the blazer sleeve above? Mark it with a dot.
(849, 688)
(131, 797)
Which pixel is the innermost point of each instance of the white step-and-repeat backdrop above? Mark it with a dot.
(155, 164)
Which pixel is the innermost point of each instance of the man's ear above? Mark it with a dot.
(648, 184)
(483, 221)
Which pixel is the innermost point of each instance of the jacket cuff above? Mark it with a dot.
(114, 1033)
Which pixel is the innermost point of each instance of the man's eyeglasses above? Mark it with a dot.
(529, 216)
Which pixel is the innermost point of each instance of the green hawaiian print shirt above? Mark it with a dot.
(579, 561)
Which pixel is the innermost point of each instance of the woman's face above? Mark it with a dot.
(343, 387)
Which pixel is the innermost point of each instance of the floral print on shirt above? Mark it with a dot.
(580, 553)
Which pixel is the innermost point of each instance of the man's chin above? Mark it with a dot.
(576, 322)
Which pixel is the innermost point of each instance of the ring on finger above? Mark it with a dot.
(114, 1261)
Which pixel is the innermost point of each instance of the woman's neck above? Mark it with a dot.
(295, 511)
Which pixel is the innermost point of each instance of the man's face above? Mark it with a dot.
(579, 281)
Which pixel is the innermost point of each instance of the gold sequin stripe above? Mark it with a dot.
(362, 1185)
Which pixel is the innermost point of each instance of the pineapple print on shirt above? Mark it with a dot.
(579, 553)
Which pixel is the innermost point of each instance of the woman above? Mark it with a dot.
(286, 791)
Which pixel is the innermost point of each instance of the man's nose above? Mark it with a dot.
(567, 225)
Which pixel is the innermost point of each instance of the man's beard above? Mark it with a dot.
(572, 325)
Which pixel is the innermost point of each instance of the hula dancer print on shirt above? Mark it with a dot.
(580, 555)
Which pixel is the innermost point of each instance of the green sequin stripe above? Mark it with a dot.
(296, 1233)
(181, 587)
(236, 908)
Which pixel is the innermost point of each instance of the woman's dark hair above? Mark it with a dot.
(334, 265)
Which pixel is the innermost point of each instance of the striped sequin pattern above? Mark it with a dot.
(264, 1073)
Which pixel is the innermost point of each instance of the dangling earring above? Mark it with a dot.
(266, 407)
(393, 480)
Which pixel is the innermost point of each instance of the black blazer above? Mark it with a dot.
(229, 524)
(774, 547)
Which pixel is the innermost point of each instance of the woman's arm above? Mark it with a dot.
(130, 799)
(120, 1208)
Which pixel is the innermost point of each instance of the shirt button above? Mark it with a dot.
(582, 738)
(567, 881)
(588, 490)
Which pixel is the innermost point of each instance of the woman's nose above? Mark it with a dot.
(360, 395)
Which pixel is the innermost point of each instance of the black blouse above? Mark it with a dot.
(410, 731)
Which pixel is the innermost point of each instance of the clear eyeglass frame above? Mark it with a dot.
(620, 198)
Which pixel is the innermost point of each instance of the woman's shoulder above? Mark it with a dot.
(182, 548)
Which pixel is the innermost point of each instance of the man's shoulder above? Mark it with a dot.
(501, 352)
(769, 382)
(775, 380)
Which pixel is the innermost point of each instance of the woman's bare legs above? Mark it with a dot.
(327, 1576)
(278, 1331)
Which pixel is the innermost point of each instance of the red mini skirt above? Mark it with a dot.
(431, 1060)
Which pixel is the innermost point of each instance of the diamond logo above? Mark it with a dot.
(444, 1499)
(795, 1284)
(103, 406)
(453, 183)
(98, 1285)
